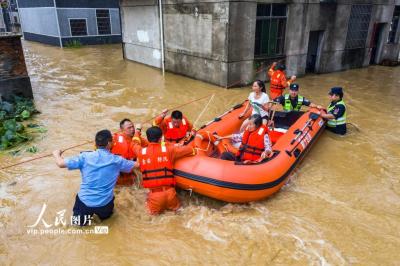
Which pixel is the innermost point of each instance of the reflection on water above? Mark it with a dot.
(342, 205)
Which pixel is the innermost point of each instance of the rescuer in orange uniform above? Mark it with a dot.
(175, 127)
(278, 81)
(122, 142)
(156, 164)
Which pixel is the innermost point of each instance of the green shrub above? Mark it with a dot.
(12, 115)
(73, 44)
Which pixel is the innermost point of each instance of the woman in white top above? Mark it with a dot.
(259, 101)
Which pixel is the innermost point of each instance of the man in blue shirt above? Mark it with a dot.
(99, 170)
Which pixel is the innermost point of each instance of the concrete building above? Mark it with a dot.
(229, 42)
(59, 22)
(9, 18)
(2, 23)
(13, 16)
(14, 79)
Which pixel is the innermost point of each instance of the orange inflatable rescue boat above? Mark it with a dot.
(292, 136)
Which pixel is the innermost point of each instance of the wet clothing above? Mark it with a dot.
(278, 83)
(171, 133)
(338, 110)
(99, 170)
(257, 104)
(164, 198)
(83, 213)
(122, 147)
(156, 164)
(292, 104)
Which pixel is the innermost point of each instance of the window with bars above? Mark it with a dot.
(103, 21)
(78, 27)
(270, 30)
(394, 25)
(357, 30)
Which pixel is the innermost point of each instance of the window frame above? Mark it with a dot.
(97, 22)
(357, 39)
(394, 34)
(279, 40)
(70, 28)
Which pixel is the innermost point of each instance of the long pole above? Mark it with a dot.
(19, 19)
(161, 36)
(58, 23)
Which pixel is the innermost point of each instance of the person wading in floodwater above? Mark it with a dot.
(156, 164)
(336, 112)
(122, 142)
(99, 170)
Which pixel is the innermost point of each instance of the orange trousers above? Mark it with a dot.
(161, 199)
(126, 179)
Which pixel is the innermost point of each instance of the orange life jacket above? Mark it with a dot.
(277, 82)
(252, 144)
(156, 166)
(175, 134)
(122, 146)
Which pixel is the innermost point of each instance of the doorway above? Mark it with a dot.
(375, 43)
(314, 50)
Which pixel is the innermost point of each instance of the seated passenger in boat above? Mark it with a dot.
(255, 142)
(292, 101)
(259, 101)
(175, 127)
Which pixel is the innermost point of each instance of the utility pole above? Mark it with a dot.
(161, 37)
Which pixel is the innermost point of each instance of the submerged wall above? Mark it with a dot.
(141, 31)
(14, 79)
(210, 41)
(48, 21)
(214, 41)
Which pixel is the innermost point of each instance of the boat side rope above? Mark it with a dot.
(88, 142)
(204, 109)
(209, 141)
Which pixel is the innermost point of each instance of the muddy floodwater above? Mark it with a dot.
(340, 207)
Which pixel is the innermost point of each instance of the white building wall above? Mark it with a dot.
(39, 20)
